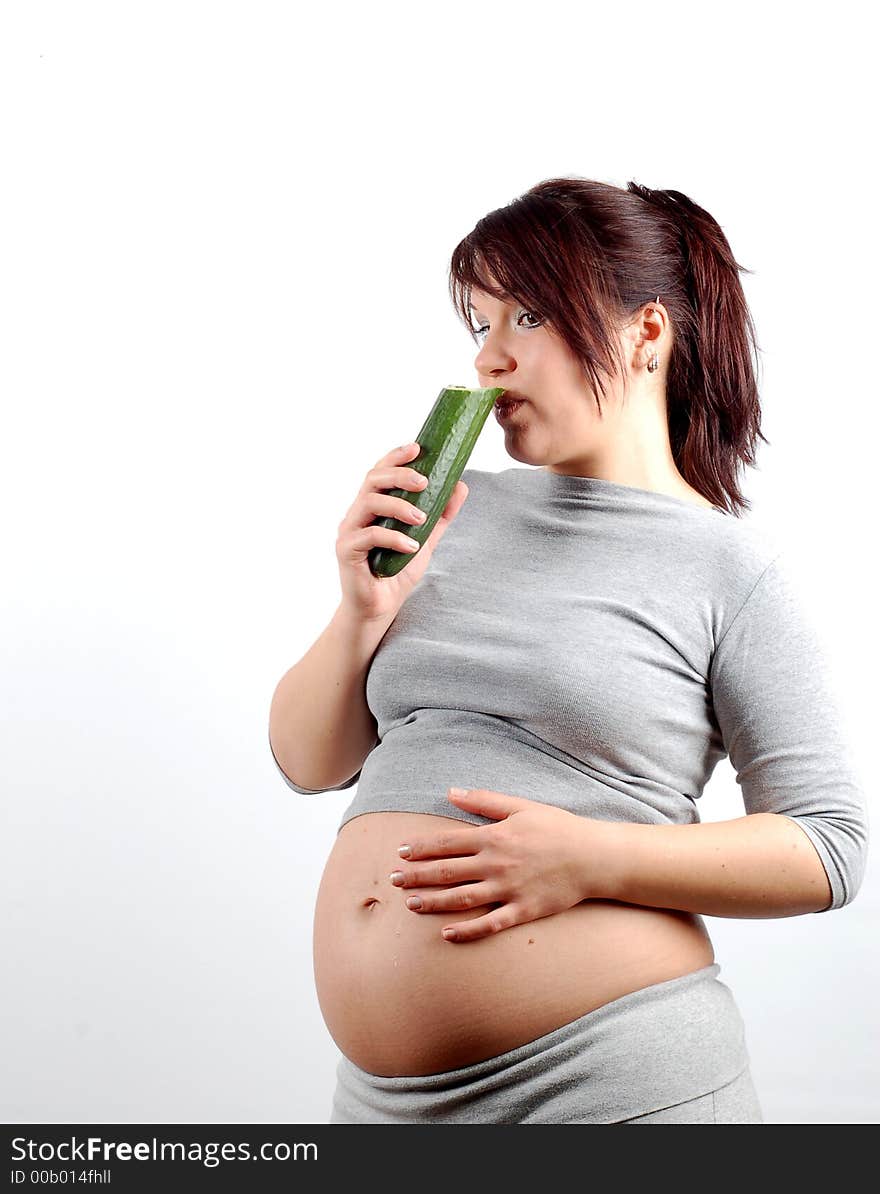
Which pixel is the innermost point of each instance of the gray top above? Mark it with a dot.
(600, 647)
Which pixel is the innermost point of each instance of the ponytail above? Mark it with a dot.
(712, 395)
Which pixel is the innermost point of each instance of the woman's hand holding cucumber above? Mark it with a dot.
(366, 596)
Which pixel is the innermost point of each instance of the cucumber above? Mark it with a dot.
(445, 441)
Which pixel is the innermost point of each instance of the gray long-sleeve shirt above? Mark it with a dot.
(601, 647)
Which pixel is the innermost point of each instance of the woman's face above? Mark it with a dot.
(558, 424)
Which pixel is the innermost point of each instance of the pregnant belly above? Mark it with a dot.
(399, 999)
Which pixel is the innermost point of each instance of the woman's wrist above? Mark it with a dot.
(602, 858)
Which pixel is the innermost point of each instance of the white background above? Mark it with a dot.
(224, 295)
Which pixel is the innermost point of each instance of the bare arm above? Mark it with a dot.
(762, 865)
(320, 726)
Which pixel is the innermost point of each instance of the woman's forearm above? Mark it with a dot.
(761, 865)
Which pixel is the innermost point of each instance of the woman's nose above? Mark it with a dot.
(491, 359)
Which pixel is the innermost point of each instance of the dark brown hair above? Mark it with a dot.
(585, 256)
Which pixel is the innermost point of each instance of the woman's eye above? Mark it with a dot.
(481, 331)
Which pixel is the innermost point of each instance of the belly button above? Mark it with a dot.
(370, 901)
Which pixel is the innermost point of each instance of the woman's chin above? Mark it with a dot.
(517, 452)
(515, 447)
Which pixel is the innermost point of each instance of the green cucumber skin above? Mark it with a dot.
(446, 442)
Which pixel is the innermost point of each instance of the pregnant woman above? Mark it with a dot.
(576, 645)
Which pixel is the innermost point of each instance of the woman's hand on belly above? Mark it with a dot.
(536, 860)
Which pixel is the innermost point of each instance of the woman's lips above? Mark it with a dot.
(507, 409)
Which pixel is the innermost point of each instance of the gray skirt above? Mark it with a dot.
(674, 1052)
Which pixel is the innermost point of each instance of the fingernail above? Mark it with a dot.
(396, 878)
(457, 792)
(414, 902)
(404, 852)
